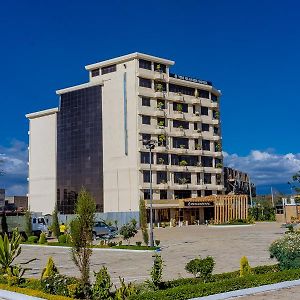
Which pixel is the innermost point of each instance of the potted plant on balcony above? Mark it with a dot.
(182, 146)
(158, 68)
(161, 161)
(180, 127)
(161, 124)
(198, 147)
(163, 181)
(183, 163)
(216, 114)
(219, 165)
(160, 105)
(158, 87)
(179, 107)
(182, 180)
(161, 139)
(197, 113)
(218, 147)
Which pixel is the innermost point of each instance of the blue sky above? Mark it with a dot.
(249, 49)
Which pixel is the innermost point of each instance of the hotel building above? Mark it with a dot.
(96, 138)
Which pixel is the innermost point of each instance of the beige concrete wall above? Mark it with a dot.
(42, 163)
(120, 170)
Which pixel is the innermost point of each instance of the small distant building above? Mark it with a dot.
(237, 182)
(2, 197)
(16, 203)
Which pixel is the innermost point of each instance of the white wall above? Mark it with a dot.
(42, 163)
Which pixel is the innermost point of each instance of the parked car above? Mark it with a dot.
(101, 229)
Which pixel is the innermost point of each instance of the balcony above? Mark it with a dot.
(160, 76)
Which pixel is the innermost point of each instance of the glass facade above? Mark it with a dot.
(79, 147)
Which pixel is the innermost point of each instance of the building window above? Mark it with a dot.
(205, 127)
(207, 178)
(145, 83)
(214, 98)
(206, 145)
(162, 158)
(163, 194)
(182, 143)
(180, 124)
(146, 194)
(207, 193)
(161, 104)
(146, 176)
(145, 64)
(108, 69)
(146, 120)
(159, 67)
(207, 161)
(146, 101)
(161, 177)
(161, 122)
(174, 88)
(182, 177)
(182, 194)
(180, 107)
(216, 130)
(146, 137)
(195, 126)
(95, 72)
(145, 157)
(204, 94)
(204, 110)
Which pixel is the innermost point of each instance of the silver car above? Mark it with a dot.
(101, 229)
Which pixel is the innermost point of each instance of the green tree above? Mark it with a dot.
(295, 184)
(4, 225)
(28, 223)
(156, 272)
(55, 222)
(129, 230)
(245, 268)
(143, 221)
(81, 233)
(102, 286)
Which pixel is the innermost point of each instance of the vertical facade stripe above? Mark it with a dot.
(125, 112)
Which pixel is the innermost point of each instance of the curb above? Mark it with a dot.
(8, 295)
(230, 226)
(251, 291)
(97, 249)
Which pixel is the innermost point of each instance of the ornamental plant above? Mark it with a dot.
(287, 251)
(143, 221)
(43, 238)
(156, 272)
(129, 230)
(125, 290)
(102, 286)
(245, 268)
(201, 268)
(50, 269)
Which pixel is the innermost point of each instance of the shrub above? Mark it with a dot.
(287, 251)
(4, 225)
(125, 290)
(139, 244)
(28, 223)
(120, 243)
(50, 269)
(245, 268)
(68, 239)
(157, 242)
(62, 239)
(102, 286)
(143, 221)
(32, 239)
(201, 268)
(42, 239)
(129, 230)
(55, 223)
(156, 272)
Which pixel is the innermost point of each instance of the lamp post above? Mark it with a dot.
(150, 144)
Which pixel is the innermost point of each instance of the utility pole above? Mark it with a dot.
(272, 196)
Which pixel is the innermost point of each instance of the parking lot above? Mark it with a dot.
(179, 245)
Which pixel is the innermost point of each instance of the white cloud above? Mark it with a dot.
(265, 167)
(15, 168)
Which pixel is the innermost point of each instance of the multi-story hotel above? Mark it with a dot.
(96, 139)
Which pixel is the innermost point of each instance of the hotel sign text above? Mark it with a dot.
(190, 79)
(195, 203)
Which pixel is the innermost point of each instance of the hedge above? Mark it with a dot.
(219, 277)
(205, 289)
(30, 292)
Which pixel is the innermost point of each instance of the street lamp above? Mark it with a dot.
(150, 144)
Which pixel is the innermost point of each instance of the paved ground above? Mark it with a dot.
(179, 245)
(283, 294)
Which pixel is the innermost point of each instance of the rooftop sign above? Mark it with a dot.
(187, 78)
(196, 203)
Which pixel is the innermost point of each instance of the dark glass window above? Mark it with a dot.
(205, 127)
(214, 98)
(206, 145)
(174, 88)
(146, 194)
(161, 177)
(108, 69)
(204, 110)
(182, 194)
(188, 160)
(180, 107)
(182, 177)
(204, 94)
(216, 130)
(162, 158)
(180, 143)
(146, 120)
(146, 101)
(146, 137)
(145, 64)
(95, 72)
(146, 176)
(194, 109)
(159, 67)
(145, 158)
(207, 193)
(207, 178)
(179, 123)
(79, 148)
(145, 83)
(195, 126)
(206, 161)
(163, 194)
